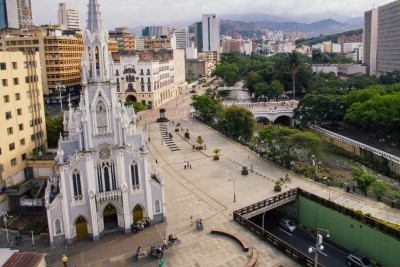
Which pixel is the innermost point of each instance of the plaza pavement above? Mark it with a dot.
(204, 191)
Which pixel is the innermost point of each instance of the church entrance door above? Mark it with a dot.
(137, 213)
(81, 228)
(110, 218)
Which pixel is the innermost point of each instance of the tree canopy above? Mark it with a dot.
(237, 122)
(206, 107)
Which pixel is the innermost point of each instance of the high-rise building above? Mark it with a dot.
(182, 37)
(381, 39)
(18, 14)
(210, 32)
(60, 55)
(22, 120)
(198, 36)
(3, 14)
(162, 42)
(102, 181)
(155, 31)
(68, 16)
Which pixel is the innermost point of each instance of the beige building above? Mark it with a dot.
(126, 40)
(23, 131)
(157, 43)
(195, 69)
(151, 78)
(60, 56)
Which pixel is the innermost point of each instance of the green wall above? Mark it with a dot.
(349, 233)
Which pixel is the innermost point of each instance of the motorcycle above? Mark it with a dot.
(173, 242)
(136, 227)
(199, 226)
(156, 252)
(139, 254)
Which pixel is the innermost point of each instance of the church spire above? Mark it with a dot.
(94, 21)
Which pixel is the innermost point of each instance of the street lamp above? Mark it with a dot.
(318, 245)
(233, 179)
(61, 89)
(5, 218)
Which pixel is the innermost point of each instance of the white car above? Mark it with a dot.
(287, 224)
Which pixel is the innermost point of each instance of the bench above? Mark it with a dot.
(253, 259)
(237, 238)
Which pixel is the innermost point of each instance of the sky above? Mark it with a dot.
(134, 13)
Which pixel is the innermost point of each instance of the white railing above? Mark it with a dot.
(27, 202)
(109, 195)
(378, 152)
(273, 111)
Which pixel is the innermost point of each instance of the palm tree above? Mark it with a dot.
(294, 63)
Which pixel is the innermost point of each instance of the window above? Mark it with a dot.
(3, 66)
(4, 82)
(17, 96)
(76, 180)
(157, 207)
(57, 225)
(11, 146)
(13, 162)
(135, 175)
(14, 65)
(23, 156)
(6, 98)
(21, 127)
(33, 137)
(8, 115)
(19, 112)
(16, 81)
(10, 130)
(22, 142)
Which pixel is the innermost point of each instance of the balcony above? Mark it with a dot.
(109, 195)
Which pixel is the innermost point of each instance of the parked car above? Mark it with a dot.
(287, 224)
(355, 259)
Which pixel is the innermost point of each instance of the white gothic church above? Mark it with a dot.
(102, 181)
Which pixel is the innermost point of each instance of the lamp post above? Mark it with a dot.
(5, 218)
(315, 164)
(318, 245)
(233, 179)
(60, 88)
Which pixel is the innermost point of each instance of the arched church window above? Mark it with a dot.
(135, 176)
(101, 117)
(157, 208)
(76, 181)
(57, 225)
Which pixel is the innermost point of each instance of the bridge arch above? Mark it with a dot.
(283, 120)
(263, 120)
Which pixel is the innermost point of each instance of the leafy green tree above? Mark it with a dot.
(54, 126)
(237, 122)
(251, 79)
(294, 63)
(260, 89)
(136, 106)
(365, 94)
(360, 81)
(317, 56)
(318, 107)
(206, 107)
(228, 72)
(380, 189)
(363, 179)
(275, 89)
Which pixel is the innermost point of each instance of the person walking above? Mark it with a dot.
(156, 161)
(165, 244)
(64, 260)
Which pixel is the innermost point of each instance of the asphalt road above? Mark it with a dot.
(302, 240)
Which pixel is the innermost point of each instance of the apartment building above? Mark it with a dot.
(23, 131)
(210, 32)
(381, 39)
(60, 55)
(151, 78)
(126, 40)
(157, 43)
(182, 37)
(68, 16)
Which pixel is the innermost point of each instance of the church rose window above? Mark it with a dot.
(104, 153)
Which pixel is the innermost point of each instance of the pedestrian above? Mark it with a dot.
(149, 139)
(64, 260)
(190, 166)
(164, 244)
(191, 220)
(184, 166)
(156, 161)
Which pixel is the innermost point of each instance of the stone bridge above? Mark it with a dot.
(280, 112)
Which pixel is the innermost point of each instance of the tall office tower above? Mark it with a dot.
(381, 39)
(182, 37)
(19, 14)
(3, 14)
(155, 31)
(198, 36)
(23, 131)
(68, 16)
(210, 32)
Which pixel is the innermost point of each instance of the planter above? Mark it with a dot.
(176, 129)
(277, 188)
(216, 157)
(199, 147)
(245, 172)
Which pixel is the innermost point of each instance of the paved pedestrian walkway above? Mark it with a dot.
(205, 191)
